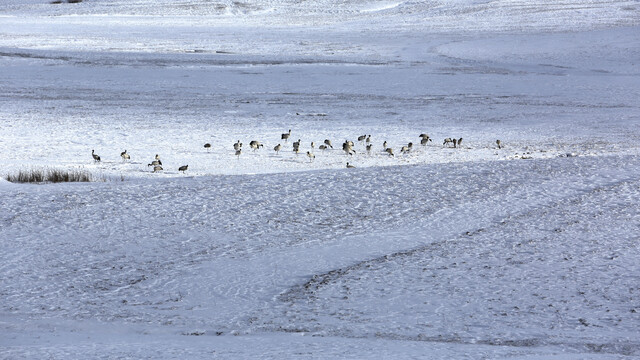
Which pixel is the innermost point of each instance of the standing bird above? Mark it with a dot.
(498, 142)
(311, 156)
(157, 168)
(238, 152)
(207, 146)
(183, 168)
(459, 141)
(362, 138)
(285, 137)
(404, 150)
(455, 142)
(277, 148)
(424, 141)
(313, 145)
(322, 147)
(125, 156)
(96, 158)
(237, 146)
(349, 166)
(384, 145)
(368, 140)
(328, 143)
(369, 149)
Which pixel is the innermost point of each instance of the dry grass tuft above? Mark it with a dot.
(50, 176)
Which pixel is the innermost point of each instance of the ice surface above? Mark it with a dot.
(529, 251)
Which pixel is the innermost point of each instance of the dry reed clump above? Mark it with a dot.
(49, 175)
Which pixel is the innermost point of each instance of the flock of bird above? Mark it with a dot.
(347, 147)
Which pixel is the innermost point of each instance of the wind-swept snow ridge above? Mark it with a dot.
(181, 257)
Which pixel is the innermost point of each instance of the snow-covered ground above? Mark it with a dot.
(530, 251)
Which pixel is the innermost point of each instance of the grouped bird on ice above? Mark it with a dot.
(348, 147)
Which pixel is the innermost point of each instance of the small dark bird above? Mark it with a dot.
(95, 156)
(207, 146)
(183, 168)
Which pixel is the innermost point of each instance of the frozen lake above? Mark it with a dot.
(525, 251)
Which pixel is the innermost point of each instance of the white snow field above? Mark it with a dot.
(528, 251)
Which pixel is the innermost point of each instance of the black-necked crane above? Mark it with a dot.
(183, 168)
(255, 144)
(125, 156)
(389, 151)
(207, 146)
(277, 148)
(328, 143)
(310, 156)
(96, 158)
(286, 136)
(349, 166)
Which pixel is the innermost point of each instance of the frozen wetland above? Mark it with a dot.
(528, 251)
